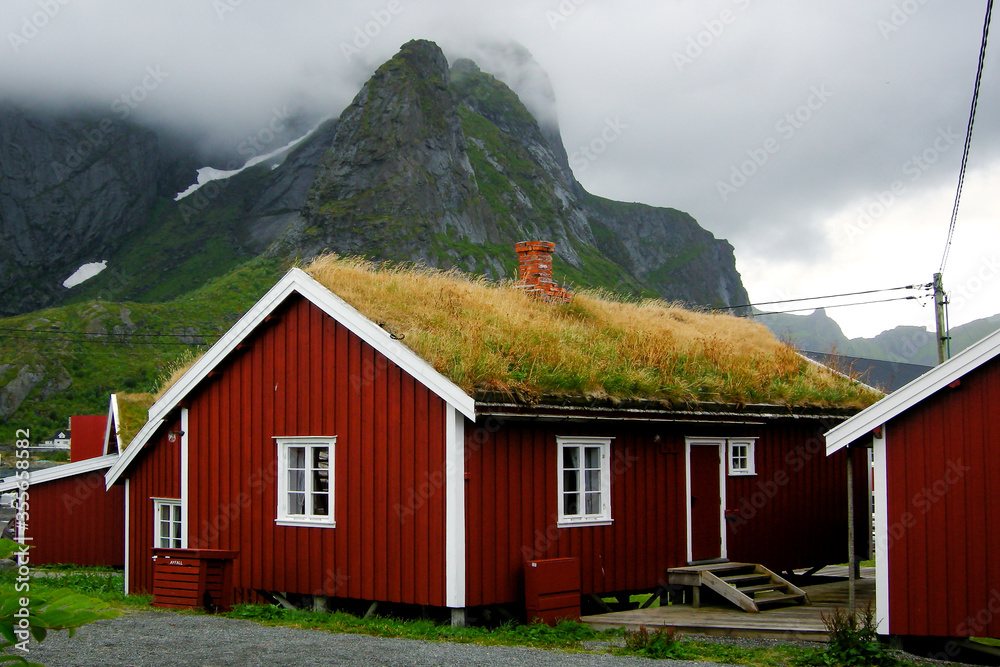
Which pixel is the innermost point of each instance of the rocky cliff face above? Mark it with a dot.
(70, 189)
(448, 167)
(432, 163)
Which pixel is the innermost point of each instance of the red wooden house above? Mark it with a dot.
(333, 460)
(72, 517)
(936, 445)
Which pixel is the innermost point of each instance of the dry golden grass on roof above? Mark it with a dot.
(489, 338)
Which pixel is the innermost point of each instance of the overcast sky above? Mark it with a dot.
(823, 140)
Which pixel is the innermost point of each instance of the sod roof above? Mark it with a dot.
(132, 412)
(491, 339)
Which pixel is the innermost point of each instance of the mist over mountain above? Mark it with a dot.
(433, 162)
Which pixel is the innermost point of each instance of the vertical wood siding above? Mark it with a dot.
(512, 510)
(944, 510)
(156, 475)
(304, 374)
(793, 512)
(511, 504)
(74, 520)
(87, 437)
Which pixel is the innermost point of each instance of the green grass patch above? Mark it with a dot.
(565, 635)
(103, 584)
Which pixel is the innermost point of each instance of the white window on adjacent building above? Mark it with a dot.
(305, 481)
(584, 482)
(168, 527)
(741, 456)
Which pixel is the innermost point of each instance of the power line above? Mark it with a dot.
(123, 334)
(828, 296)
(968, 136)
(841, 305)
(106, 338)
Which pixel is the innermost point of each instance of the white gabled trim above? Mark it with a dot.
(114, 421)
(298, 281)
(138, 442)
(454, 513)
(881, 455)
(62, 472)
(703, 442)
(128, 531)
(863, 423)
(185, 485)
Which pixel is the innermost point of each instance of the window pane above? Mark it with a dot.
(164, 512)
(164, 529)
(570, 480)
(321, 458)
(296, 480)
(320, 504)
(177, 530)
(177, 512)
(571, 504)
(593, 503)
(321, 481)
(296, 503)
(593, 457)
(571, 457)
(593, 480)
(297, 457)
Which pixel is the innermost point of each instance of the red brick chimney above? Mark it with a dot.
(535, 271)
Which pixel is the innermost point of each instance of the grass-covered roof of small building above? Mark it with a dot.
(133, 411)
(490, 339)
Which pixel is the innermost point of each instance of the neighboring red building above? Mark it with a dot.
(337, 462)
(936, 448)
(72, 517)
(88, 436)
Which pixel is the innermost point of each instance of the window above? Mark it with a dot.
(167, 527)
(305, 481)
(741, 457)
(584, 481)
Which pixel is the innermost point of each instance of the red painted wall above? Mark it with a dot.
(87, 436)
(302, 373)
(155, 474)
(944, 511)
(74, 520)
(511, 504)
(793, 512)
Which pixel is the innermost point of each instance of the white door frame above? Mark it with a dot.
(720, 443)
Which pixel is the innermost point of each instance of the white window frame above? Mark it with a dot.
(751, 457)
(284, 518)
(176, 518)
(604, 517)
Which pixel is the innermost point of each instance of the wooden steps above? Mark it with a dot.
(750, 586)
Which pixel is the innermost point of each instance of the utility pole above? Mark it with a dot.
(940, 319)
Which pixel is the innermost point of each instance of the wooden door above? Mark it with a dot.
(705, 517)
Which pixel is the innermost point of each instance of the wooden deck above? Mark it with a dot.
(790, 623)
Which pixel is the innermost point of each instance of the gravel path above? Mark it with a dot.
(165, 639)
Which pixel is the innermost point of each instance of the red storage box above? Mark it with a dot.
(552, 590)
(193, 578)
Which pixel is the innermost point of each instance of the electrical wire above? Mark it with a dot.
(841, 305)
(968, 137)
(828, 296)
(59, 332)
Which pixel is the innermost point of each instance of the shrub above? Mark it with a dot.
(853, 642)
(660, 644)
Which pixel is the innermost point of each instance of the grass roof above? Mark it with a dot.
(133, 411)
(491, 338)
